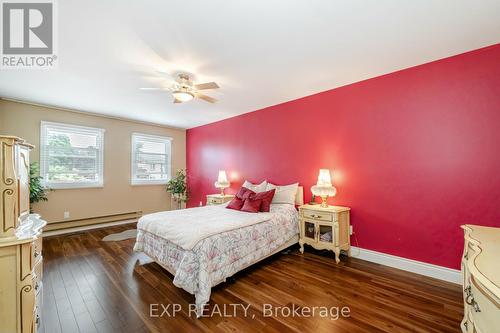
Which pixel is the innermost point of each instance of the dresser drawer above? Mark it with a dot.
(37, 314)
(37, 318)
(484, 310)
(469, 251)
(319, 216)
(37, 276)
(214, 201)
(36, 251)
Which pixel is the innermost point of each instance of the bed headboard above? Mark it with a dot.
(299, 197)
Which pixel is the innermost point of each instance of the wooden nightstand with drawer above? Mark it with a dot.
(325, 228)
(218, 199)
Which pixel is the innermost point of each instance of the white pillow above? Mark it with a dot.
(284, 194)
(256, 187)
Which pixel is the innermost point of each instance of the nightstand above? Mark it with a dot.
(325, 228)
(218, 199)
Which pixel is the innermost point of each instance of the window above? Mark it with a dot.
(71, 156)
(150, 159)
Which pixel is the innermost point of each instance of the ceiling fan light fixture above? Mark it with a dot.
(183, 96)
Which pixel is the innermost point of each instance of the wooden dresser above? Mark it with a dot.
(20, 242)
(325, 228)
(481, 279)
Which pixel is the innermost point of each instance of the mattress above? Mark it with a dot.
(221, 255)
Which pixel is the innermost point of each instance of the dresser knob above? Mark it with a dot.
(472, 302)
(467, 291)
(475, 306)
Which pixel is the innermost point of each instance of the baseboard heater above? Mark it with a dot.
(60, 225)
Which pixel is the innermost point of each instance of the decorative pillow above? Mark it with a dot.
(244, 193)
(251, 205)
(236, 203)
(285, 194)
(255, 187)
(266, 198)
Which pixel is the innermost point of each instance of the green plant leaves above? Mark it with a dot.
(37, 191)
(177, 186)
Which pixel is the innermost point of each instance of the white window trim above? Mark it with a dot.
(70, 185)
(136, 182)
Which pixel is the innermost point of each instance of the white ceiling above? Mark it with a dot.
(260, 52)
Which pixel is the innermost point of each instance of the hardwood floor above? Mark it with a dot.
(95, 286)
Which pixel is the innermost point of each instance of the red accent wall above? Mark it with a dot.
(415, 153)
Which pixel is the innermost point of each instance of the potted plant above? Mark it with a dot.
(177, 187)
(37, 191)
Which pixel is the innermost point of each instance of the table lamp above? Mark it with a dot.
(324, 187)
(222, 181)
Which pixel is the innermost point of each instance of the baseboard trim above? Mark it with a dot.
(69, 224)
(434, 271)
(86, 227)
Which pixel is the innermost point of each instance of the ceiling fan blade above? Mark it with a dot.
(165, 74)
(152, 88)
(206, 98)
(208, 85)
(177, 101)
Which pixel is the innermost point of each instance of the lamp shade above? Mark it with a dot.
(321, 191)
(324, 187)
(222, 181)
(222, 176)
(324, 178)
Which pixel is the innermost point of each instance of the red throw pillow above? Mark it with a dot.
(251, 205)
(236, 203)
(266, 198)
(244, 193)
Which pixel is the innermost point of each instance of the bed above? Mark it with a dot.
(203, 246)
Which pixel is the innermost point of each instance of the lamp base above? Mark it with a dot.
(222, 191)
(324, 204)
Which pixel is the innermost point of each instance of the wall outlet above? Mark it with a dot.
(66, 215)
(351, 230)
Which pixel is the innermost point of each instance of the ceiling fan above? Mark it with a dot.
(183, 89)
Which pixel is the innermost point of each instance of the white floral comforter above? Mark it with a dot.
(187, 227)
(219, 256)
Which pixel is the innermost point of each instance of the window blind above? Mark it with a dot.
(151, 158)
(71, 156)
